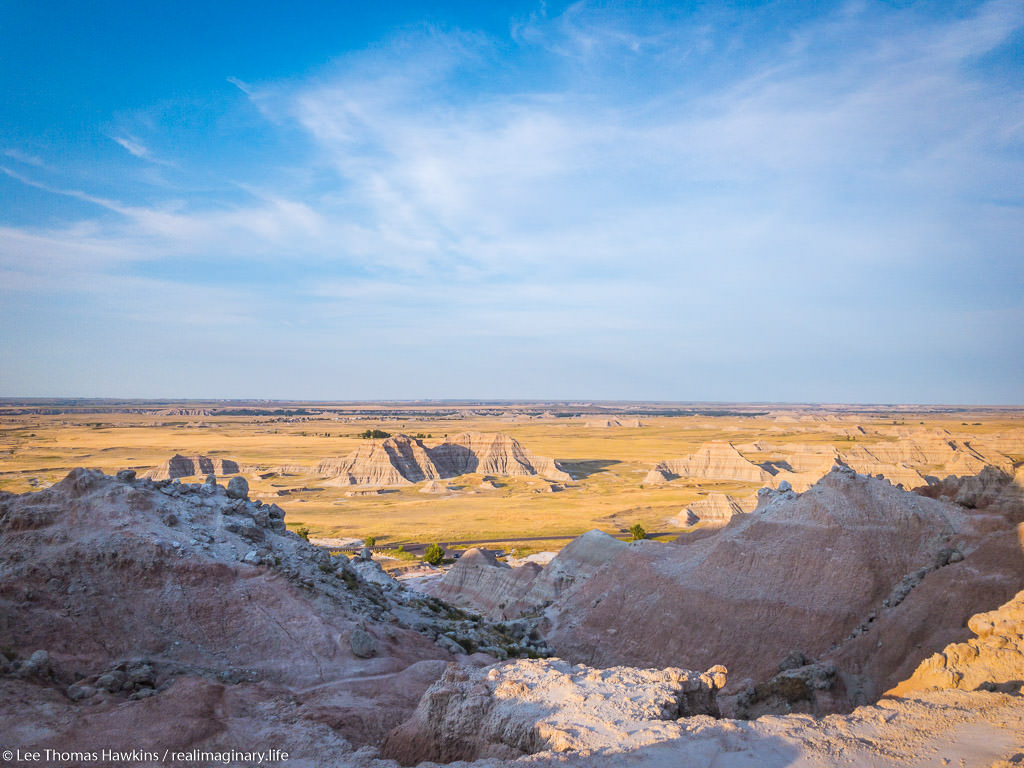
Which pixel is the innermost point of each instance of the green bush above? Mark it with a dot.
(433, 554)
(369, 541)
(302, 531)
(638, 532)
(374, 434)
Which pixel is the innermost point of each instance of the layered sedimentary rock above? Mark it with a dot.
(492, 454)
(909, 461)
(609, 423)
(713, 461)
(191, 466)
(714, 509)
(855, 572)
(992, 660)
(402, 460)
(398, 460)
(991, 489)
(549, 705)
(434, 486)
(481, 582)
(134, 609)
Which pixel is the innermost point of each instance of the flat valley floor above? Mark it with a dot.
(608, 449)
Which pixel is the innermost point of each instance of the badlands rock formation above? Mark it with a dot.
(562, 715)
(909, 461)
(507, 711)
(136, 611)
(990, 490)
(130, 607)
(402, 460)
(609, 423)
(714, 509)
(856, 579)
(192, 466)
(434, 486)
(991, 661)
(493, 454)
(714, 461)
(398, 460)
(480, 582)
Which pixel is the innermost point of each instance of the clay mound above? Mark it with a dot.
(137, 607)
(991, 661)
(191, 466)
(714, 461)
(714, 509)
(658, 476)
(398, 460)
(511, 710)
(404, 460)
(482, 583)
(831, 573)
(433, 486)
(611, 423)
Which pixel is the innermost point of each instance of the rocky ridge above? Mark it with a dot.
(404, 460)
(861, 578)
(131, 600)
(915, 459)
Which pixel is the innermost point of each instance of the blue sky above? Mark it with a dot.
(714, 201)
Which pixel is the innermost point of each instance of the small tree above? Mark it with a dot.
(302, 531)
(369, 541)
(433, 554)
(638, 532)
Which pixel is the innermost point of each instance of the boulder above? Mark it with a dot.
(238, 488)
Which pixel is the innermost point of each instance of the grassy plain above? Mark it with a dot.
(609, 463)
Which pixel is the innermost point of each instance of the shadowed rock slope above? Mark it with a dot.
(402, 460)
(190, 466)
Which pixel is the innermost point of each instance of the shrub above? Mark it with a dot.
(369, 541)
(638, 532)
(302, 531)
(374, 434)
(433, 554)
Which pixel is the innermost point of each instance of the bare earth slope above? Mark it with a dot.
(480, 582)
(854, 582)
(131, 606)
(547, 713)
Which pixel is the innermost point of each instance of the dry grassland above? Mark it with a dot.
(608, 462)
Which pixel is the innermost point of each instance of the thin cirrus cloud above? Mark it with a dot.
(687, 194)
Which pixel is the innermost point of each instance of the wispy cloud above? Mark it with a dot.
(137, 149)
(23, 157)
